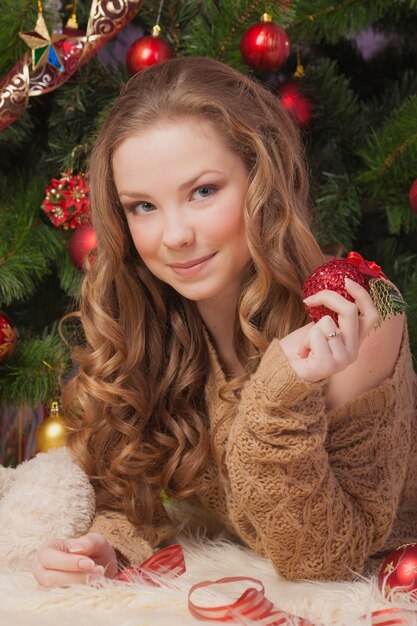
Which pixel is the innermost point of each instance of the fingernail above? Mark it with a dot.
(86, 564)
(350, 282)
(307, 299)
(95, 575)
(78, 548)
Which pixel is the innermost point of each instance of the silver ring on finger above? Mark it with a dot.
(333, 334)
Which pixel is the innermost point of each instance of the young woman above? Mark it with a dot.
(201, 374)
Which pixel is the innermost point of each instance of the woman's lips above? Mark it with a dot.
(195, 268)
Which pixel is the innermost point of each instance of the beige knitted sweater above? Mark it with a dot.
(316, 491)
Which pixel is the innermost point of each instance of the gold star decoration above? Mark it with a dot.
(42, 45)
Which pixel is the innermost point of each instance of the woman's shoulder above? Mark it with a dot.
(377, 358)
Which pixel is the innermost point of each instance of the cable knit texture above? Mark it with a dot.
(318, 492)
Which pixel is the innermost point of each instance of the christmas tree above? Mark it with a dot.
(346, 71)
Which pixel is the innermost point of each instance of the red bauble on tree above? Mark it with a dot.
(368, 274)
(413, 196)
(7, 337)
(265, 46)
(294, 102)
(148, 50)
(398, 573)
(83, 244)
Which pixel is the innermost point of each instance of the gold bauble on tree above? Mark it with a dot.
(53, 431)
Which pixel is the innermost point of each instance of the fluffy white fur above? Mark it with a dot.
(50, 496)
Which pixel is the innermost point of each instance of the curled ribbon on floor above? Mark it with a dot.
(252, 605)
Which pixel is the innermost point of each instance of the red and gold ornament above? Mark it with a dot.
(83, 245)
(7, 337)
(413, 196)
(398, 573)
(368, 274)
(294, 102)
(148, 50)
(66, 201)
(265, 46)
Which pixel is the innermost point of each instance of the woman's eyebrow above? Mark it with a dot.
(135, 194)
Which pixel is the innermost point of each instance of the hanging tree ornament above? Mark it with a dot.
(294, 102)
(413, 196)
(66, 201)
(22, 81)
(83, 245)
(291, 98)
(71, 28)
(53, 430)
(149, 50)
(7, 337)
(265, 46)
(42, 44)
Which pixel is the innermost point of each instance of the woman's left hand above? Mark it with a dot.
(319, 350)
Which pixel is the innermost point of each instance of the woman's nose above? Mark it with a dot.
(177, 233)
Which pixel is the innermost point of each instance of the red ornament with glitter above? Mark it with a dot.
(265, 46)
(148, 50)
(7, 337)
(398, 573)
(83, 244)
(294, 102)
(368, 274)
(66, 201)
(413, 196)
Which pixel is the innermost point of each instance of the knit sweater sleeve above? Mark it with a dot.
(315, 491)
(134, 544)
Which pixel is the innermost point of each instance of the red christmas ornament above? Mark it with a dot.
(413, 196)
(265, 46)
(83, 244)
(66, 201)
(398, 573)
(368, 274)
(294, 102)
(7, 337)
(148, 50)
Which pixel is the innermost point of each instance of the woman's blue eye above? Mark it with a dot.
(138, 207)
(209, 188)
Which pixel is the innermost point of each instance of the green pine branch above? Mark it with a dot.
(320, 20)
(27, 247)
(32, 374)
(390, 165)
(338, 116)
(338, 211)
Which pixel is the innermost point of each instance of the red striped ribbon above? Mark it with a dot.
(168, 562)
(397, 617)
(252, 605)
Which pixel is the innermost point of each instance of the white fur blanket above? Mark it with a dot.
(140, 604)
(31, 511)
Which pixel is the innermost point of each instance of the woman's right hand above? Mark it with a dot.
(65, 562)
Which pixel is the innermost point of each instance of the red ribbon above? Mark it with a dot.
(168, 563)
(389, 617)
(368, 268)
(252, 605)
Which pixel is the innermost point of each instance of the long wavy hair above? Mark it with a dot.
(137, 411)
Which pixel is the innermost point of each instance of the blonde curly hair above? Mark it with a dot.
(136, 406)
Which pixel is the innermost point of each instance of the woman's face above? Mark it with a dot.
(183, 192)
